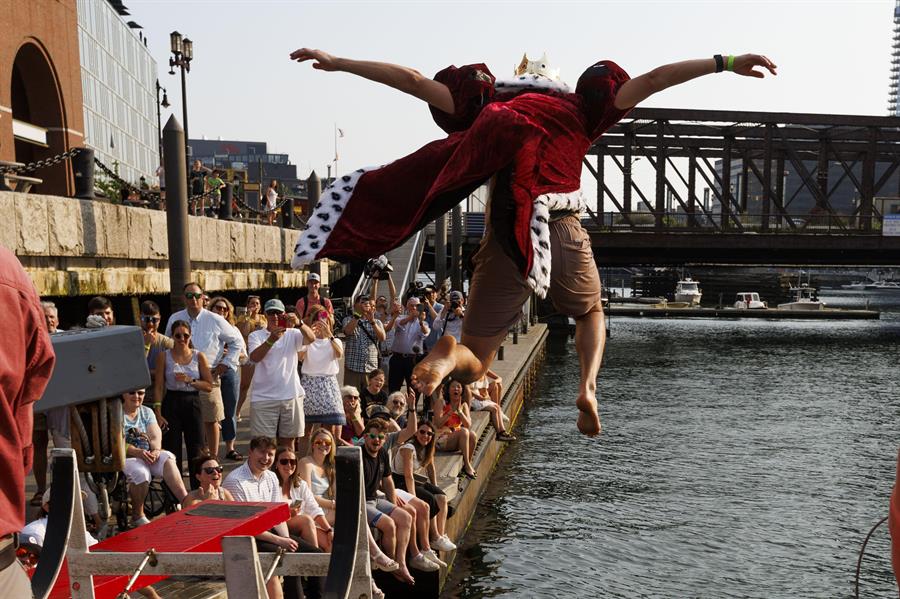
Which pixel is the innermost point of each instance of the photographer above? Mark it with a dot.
(363, 333)
(433, 309)
(411, 331)
(450, 321)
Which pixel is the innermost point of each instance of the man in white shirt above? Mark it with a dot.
(276, 397)
(450, 321)
(409, 340)
(222, 344)
(254, 481)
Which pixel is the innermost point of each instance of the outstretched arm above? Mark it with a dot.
(640, 88)
(399, 77)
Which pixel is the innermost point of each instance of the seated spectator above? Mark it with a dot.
(307, 517)
(35, 531)
(417, 454)
(352, 414)
(144, 458)
(321, 364)
(396, 436)
(373, 393)
(182, 373)
(207, 470)
(395, 523)
(481, 401)
(101, 306)
(317, 469)
(396, 405)
(454, 423)
(254, 481)
(379, 411)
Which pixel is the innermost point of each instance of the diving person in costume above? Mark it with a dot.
(526, 138)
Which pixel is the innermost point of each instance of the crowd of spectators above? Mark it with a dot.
(310, 384)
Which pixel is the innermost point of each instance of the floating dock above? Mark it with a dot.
(650, 311)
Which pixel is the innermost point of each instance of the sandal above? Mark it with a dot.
(234, 455)
(384, 563)
(469, 475)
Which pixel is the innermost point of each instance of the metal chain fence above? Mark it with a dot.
(38, 164)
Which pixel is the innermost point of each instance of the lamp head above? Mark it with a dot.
(165, 100)
(176, 42)
(188, 49)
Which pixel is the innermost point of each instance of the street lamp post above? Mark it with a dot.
(165, 104)
(183, 53)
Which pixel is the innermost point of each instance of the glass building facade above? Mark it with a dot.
(118, 78)
(893, 105)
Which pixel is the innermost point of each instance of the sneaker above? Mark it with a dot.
(431, 556)
(420, 562)
(139, 521)
(506, 437)
(443, 543)
(102, 532)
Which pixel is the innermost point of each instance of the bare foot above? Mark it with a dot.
(403, 575)
(438, 364)
(588, 418)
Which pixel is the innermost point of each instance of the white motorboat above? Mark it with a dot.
(688, 291)
(883, 286)
(804, 298)
(855, 286)
(749, 300)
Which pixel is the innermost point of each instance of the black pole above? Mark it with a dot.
(287, 214)
(177, 211)
(440, 249)
(456, 247)
(159, 122)
(184, 115)
(227, 197)
(83, 170)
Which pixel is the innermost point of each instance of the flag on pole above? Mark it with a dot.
(340, 132)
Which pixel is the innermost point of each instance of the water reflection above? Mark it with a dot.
(738, 459)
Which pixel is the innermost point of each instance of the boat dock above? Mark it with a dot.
(652, 311)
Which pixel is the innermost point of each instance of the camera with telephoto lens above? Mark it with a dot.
(378, 268)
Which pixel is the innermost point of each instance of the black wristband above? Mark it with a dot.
(720, 63)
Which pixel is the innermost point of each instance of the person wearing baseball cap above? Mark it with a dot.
(313, 297)
(450, 322)
(276, 396)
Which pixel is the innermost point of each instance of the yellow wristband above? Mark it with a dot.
(729, 65)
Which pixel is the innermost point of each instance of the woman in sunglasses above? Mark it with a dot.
(230, 381)
(317, 469)
(416, 454)
(307, 517)
(144, 457)
(185, 372)
(207, 470)
(321, 364)
(454, 422)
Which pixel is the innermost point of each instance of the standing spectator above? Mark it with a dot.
(352, 414)
(312, 298)
(43, 423)
(252, 320)
(254, 481)
(395, 311)
(145, 457)
(182, 372)
(154, 341)
(433, 309)
(276, 396)
(450, 321)
(383, 303)
(409, 338)
(214, 184)
(198, 185)
(271, 201)
(321, 363)
(101, 306)
(230, 382)
(26, 362)
(373, 393)
(363, 333)
(52, 316)
(222, 344)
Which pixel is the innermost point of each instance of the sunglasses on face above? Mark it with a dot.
(379, 436)
(194, 296)
(138, 393)
(182, 336)
(212, 469)
(274, 313)
(220, 308)
(153, 319)
(287, 461)
(324, 443)
(397, 402)
(426, 432)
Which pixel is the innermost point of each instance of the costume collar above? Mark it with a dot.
(529, 81)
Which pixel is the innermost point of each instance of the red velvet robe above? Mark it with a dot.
(541, 134)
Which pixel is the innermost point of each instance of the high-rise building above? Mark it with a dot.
(893, 105)
(118, 79)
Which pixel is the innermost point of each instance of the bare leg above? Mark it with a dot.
(138, 494)
(212, 437)
(422, 523)
(466, 361)
(286, 442)
(590, 338)
(413, 544)
(273, 588)
(459, 440)
(174, 481)
(440, 522)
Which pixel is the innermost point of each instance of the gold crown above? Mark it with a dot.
(536, 67)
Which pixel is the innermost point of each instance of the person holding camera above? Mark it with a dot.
(363, 333)
(450, 322)
(276, 396)
(409, 338)
(321, 363)
(433, 309)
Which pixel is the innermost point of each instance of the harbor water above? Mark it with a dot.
(739, 458)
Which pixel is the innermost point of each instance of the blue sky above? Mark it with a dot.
(833, 57)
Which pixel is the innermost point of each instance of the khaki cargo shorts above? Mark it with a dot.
(498, 289)
(211, 407)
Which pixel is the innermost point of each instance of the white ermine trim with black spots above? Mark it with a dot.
(325, 216)
(539, 277)
(531, 82)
